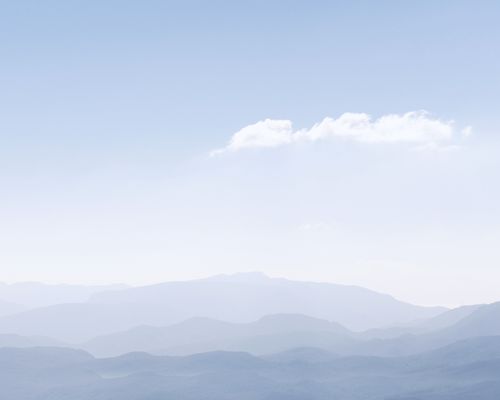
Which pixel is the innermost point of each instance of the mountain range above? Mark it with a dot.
(276, 333)
(240, 298)
(244, 336)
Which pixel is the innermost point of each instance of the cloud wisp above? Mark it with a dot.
(414, 127)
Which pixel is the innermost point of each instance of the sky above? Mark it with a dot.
(351, 142)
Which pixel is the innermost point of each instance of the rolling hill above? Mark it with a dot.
(270, 334)
(465, 370)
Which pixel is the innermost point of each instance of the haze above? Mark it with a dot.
(143, 142)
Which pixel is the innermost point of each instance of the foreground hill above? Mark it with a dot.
(464, 370)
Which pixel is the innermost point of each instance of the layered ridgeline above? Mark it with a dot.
(244, 312)
(245, 336)
(248, 297)
(465, 370)
(240, 298)
(270, 334)
(280, 332)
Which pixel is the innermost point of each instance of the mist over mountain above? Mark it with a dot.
(77, 322)
(162, 341)
(250, 296)
(482, 322)
(436, 323)
(485, 321)
(348, 150)
(270, 334)
(35, 294)
(254, 295)
(9, 340)
(276, 333)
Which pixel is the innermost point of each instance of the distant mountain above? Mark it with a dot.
(445, 319)
(34, 294)
(418, 327)
(107, 328)
(285, 332)
(8, 340)
(482, 321)
(485, 321)
(248, 297)
(74, 323)
(269, 334)
(463, 352)
(238, 298)
(41, 357)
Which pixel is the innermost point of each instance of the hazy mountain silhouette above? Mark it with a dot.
(146, 319)
(248, 297)
(483, 321)
(269, 334)
(234, 298)
(282, 332)
(428, 325)
(35, 294)
(41, 357)
(78, 322)
(9, 340)
(466, 351)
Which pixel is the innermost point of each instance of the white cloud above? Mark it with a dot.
(415, 127)
(267, 133)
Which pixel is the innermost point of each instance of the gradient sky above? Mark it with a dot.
(109, 111)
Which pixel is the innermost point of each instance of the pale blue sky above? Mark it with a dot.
(109, 111)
